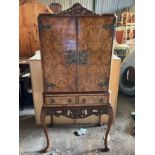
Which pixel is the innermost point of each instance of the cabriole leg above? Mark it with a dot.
(110, 120)
(43, 123)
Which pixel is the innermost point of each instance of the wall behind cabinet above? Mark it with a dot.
(99, 6)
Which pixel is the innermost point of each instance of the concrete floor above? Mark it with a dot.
(121, 140)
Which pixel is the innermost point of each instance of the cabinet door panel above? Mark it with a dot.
(95, 36)
(58, 39)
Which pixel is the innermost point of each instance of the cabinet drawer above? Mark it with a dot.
(103, 99)
(60, 100)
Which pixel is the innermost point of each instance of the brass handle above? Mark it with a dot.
(69, 100)
(52, 100)
(101, 100)
(84, 100)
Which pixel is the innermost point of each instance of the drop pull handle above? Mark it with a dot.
(84, 100)
(69, 100)
(52, 100)
(101, 99)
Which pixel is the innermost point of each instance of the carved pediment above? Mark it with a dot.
(76, 10)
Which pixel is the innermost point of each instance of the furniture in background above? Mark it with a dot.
(25, 89)
(56, 7)
(28, 43)
(28, 26)
(121, 50)
(128, 24)
(76, 52)
(120, 36)
(125, 34)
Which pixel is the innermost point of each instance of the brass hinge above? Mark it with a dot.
(109, 26)
(50, 85)
(45, 27)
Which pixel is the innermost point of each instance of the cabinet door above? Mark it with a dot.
(58, 43)
(95, 39)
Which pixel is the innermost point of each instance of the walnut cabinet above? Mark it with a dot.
(76, 51)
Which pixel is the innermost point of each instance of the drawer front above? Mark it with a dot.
(93, 99)
(60, 100)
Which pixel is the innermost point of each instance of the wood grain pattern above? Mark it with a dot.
(28, 26)
(60, 100)
(76, 54)
(61, 36)
(92, 37)
(37, 88)
(56, 43)
(74, 99)
(102, 99)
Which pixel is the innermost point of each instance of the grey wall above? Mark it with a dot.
(100, 6)
(111, 6)
(68, 3)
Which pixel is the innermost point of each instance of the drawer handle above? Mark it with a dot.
(84, 100)
(101, 100)
(69, 100)
(52, 100)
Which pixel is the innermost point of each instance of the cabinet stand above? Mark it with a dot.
(71, 111)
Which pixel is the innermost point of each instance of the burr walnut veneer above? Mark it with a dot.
(76, 50)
